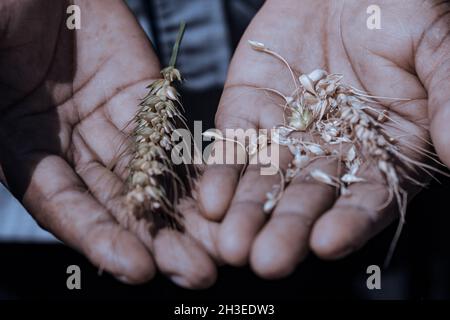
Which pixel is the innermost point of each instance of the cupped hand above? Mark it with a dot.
(409, 57)
(66, 100)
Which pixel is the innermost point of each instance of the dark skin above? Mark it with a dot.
(66, 103)
(408, 58)
(67, 98)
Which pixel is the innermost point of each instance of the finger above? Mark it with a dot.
(168, 246)
(183, 260)
(433, 68)
(181, 256)
(245, 217)
(188, 258)
(61, 204)
(2, 176)
(107, 188)
(204, 231)
(218, 182)
(284, 240)
(245, 105)
(216, 189)
(440, 132)
(353, 219)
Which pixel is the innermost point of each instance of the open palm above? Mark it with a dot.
(66, 100)
(408, 58)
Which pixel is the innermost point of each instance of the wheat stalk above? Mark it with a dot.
(153, 186)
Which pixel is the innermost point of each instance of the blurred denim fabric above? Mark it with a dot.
(16, 225)
(212, 29)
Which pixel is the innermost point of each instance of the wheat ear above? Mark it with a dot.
(153, 186)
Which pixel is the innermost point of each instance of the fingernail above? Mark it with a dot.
(179, 280)
(346, 251)
(123, 279)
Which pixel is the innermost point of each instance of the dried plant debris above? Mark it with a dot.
(154, 187)
(339, 122)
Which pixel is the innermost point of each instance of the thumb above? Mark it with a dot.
(433, 69)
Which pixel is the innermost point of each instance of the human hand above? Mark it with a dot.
(66, 100)
(408, 58)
